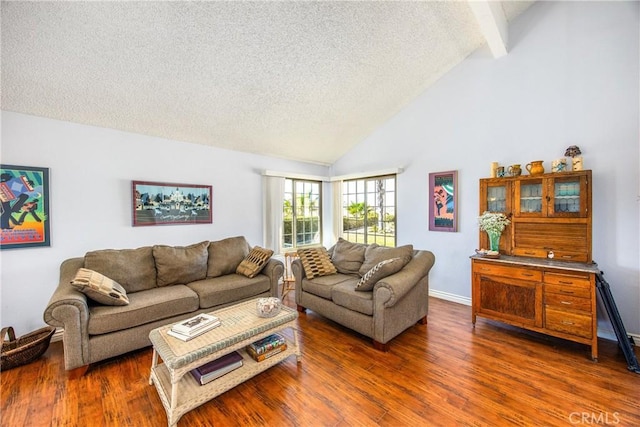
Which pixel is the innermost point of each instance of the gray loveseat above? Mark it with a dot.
(395, 302)
(163, 284)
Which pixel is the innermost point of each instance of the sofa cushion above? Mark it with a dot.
(253, 263)
(344, 294)
(225, 255)
(316, 262)
(348, 256)
(99, 288)
(144, 307)
(133, 269)
(321, 286)
(229, 288)
(375, 253)
(379, 271)
(181, 264)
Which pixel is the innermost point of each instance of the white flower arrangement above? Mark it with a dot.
(493, 222)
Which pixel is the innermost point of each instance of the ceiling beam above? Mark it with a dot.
(493, 24)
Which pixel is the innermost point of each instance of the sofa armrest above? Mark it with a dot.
(68, 309)
(274, 270)
(392, 288)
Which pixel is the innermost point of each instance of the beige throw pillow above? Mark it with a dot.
(375, 253)
(316, 262)
(225, 255)
(348, 256)
(378, 272)
(99, 288)
(181, 264)
(254, 262)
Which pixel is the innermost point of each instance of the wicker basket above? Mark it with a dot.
(26, 349)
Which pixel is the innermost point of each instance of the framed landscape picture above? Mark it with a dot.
(443, 205)
(24, 192)
(159, 203)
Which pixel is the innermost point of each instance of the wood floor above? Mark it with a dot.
(445, 373)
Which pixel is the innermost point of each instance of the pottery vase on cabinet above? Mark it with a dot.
(535, 167)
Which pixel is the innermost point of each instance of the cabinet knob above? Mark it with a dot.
(565, 302)
(564, 322)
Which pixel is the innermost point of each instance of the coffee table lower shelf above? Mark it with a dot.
(189, 394)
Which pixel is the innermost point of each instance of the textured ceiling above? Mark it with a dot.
(300, 80)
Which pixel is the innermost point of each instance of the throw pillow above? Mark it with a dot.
(99, 288)
(254, 262)
(374, 254)
(181, 264)
(133, 269)
(316, 262)
(225, 255)
(348, 256)
(378, 272)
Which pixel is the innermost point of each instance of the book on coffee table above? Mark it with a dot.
(192, 335)
(217, 368)
(267, 343)
(266, 355)
(193, 324)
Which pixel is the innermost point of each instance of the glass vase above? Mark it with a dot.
(494, 240)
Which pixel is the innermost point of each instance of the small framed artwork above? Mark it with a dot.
(24, 192)
(443, 206)
(159, 203)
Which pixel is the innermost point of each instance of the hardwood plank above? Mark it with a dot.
(440, 374)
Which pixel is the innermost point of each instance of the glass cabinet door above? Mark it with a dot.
(497, 198)
(568, 196)
(530, 197)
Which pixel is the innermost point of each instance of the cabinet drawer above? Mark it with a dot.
(573, 291)
(568, 322)
(504, 271)
(567, 280)
(561, 302)
(531, 252)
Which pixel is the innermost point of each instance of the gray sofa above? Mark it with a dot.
(395, 303)
(163, 284)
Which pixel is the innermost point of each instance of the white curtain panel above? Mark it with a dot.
(337, 211)
(273, 217)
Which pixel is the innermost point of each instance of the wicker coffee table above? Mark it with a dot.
(179, 391)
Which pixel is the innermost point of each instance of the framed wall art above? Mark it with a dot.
(24, 192)
(443, 206)
(159, 203)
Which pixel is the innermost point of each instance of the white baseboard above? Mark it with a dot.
(57, 335)
(449, 297)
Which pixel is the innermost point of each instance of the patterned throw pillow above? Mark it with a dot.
(253, 263)
(99, 288)
(316, 262)
(378, 272)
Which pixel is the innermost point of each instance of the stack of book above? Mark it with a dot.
(267, 347)
(217, 368)
(194, 326)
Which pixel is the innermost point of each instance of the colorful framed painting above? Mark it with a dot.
(159, 203)
(443, 205)
(24, 192)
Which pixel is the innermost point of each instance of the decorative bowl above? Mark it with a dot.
(268, 307)
(488, 254)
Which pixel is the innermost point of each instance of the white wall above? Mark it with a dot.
(571, 77)
(91, 170)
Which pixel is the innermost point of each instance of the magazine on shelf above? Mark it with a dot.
(266, 355)
(187, 337)
(267, 343)
(217, 368)
(193, 324)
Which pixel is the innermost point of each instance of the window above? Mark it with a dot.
(369, 210)
(301, 213)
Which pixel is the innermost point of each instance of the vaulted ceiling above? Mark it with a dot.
(301, 80)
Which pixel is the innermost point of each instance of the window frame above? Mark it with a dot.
(296, 209)
(362, 195)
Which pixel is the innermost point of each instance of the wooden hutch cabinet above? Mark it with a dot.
(544, 279)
